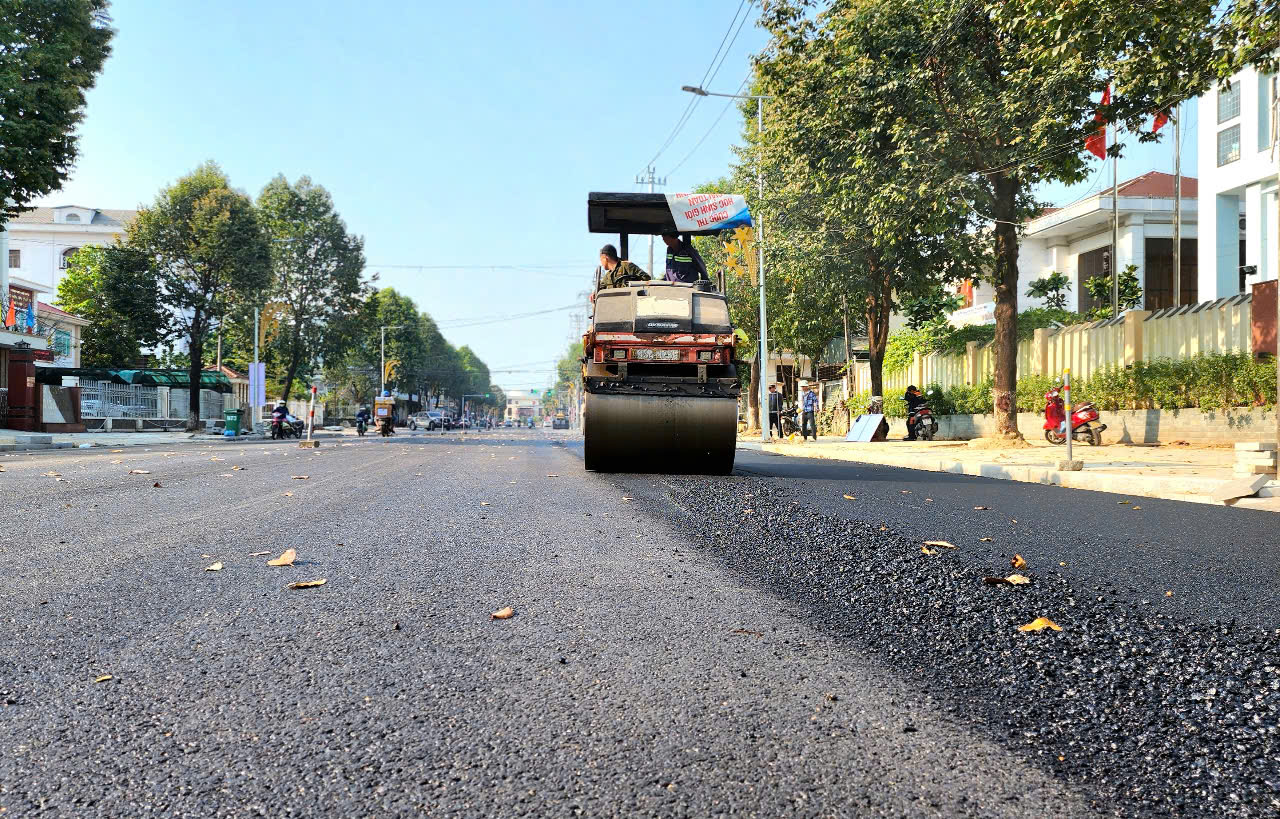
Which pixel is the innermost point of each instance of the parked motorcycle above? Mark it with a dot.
(790, 426)
(1084, 420)
(924, 422)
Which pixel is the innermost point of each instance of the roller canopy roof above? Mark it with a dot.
(697, 214)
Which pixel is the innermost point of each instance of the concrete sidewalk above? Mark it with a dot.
(1190, 474)
(15, 441)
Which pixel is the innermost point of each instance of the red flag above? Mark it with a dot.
(1096, 143)
(1162, 119)
(10, 318)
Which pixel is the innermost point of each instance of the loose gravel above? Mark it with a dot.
(1154, 714)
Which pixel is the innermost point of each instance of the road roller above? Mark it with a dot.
(660, 381)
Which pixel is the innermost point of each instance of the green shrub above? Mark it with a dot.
(970, 400)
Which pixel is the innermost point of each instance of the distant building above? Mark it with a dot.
(522, 404)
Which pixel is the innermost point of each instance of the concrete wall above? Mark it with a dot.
(1129, 427)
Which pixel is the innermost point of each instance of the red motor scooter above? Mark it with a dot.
(1084, 421)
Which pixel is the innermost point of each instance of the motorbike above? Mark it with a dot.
(385, 428)
(282, 428)
(1084, 421)
(788, 419)
(361, 427)
(924, 422)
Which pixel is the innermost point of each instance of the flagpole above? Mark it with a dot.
(1115, 224)
(1177, 206)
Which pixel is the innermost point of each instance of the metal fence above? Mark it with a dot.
(105, 399)
(210, 404)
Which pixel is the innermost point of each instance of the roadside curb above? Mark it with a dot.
(1186, 489)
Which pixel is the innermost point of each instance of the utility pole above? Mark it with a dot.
(648, 178)
(1177, 206)
(1115, 224)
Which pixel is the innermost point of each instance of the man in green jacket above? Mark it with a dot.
(617, 272)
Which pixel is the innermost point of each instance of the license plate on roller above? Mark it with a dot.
(655, 355)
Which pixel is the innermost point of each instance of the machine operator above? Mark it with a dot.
(684, 264)
(618, 271)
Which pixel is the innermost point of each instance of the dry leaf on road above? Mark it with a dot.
(103, 678)
(1011, 580)
(941, 543)
(302, 477)
(1017, 562)
(850, 497)
(1040, 624)
(1121, 503)
(553, 476)
(484, 503)
(1135, 508)
(258, 554)
(306, 584)
(985, 539)
(50, 474)
(927, 551)
(117, 461)
(217, 567)
(236, 468)
(139, 472)
(288, 494)
(155, 485)
(505, 613)
(979, 508)
(285, 559)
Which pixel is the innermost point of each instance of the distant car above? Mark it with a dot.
(507, 423)
(546, 422)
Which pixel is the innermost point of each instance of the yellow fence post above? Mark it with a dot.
(1040, 344)
(1133, 336)
(971, 376)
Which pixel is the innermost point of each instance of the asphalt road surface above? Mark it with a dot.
(753, 645)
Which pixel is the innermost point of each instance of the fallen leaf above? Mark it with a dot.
(926, 550)
(285, 559)
(985, 539)
(258, 554)
(1135, 508)
(979, 508)
(1014, 520)
(625, 498)
(236, 468)
(103, 678)
(1011, 580)
(849, 497)
(51, 474)
(217, 567)
(505, 613)
(139, 472)
(1017, 562)
(941, 543)
(553, 476)
(884, 528)
(121, 450)
(1168, 594)
(906, 491)
(288, 494)
(484, 503)
(206, 555)
(214, 458)
(1121, 503)
(1040, 624)
(306, 584)
(117, 461)
(1062, 564)
(302, 477)
(155, 485)
(928, 500)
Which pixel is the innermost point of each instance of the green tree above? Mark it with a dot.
(1100, 289)
(207, 251)
(51, 52)
(1051, 288)
(930, 307)
(114, 289)
(317, 267)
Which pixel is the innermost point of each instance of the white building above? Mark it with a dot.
(1238, 186)
(34, 249)
(522, 405)
(1076, 240)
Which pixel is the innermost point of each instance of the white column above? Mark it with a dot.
(1253, 237)
(1133, 248)
(1218, 232)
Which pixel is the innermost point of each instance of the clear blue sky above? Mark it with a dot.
(450, 134)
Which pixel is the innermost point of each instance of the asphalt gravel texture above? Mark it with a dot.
(752, 645)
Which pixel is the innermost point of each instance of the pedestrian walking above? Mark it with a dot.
(775, 409)
(809, 412)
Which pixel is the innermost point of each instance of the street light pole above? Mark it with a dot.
(763, 352)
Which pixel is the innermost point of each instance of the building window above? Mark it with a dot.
(1229, 103)
(62, 343)
(15, 258)
(1268, 92)
(1228, 145)
(66, 257)
(71, 217)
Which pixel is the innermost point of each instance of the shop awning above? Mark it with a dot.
(177, 379)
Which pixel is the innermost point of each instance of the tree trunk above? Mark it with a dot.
(877, 316)
(295, 357)
(1004, 393)
(753, 400)
(196, 348)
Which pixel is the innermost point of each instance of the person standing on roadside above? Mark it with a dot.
(775, 409)
(809, 412)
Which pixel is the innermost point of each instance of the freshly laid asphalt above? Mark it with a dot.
(757, 644)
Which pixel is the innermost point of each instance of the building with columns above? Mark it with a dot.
(1076, 240)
